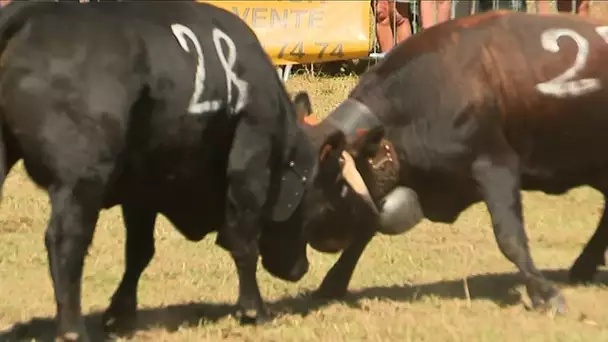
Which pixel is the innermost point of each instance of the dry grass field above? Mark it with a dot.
(406, 288)
(436, 283)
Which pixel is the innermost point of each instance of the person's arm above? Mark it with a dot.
(435, 12)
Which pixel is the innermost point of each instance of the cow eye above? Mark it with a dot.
(344, 191)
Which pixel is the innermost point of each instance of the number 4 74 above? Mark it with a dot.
(297, 50)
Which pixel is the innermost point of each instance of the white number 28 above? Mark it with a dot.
(196, 105)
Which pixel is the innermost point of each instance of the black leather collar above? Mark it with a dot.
(297, 176)
(352, 115)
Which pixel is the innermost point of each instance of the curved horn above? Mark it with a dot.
(354, 179)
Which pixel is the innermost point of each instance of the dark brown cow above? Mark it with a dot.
(477, 109)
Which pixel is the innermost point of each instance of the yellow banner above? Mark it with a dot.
(306, 31)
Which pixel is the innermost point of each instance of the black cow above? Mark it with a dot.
(170, 108)
(477, 109)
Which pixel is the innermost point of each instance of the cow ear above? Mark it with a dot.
(303, 106)
(368, 142)
(333, 146)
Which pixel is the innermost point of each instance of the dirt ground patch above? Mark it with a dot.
(406, 288)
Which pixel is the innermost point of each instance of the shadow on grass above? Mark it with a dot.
(495, 287)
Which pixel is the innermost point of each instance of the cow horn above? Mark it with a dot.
(354, 179)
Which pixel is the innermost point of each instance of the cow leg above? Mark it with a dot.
(586, 264)
(75, 210)
(249, 181)
(498, 179)
(139, 250)
(335, 283)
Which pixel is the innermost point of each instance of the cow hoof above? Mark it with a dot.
(556, 305)
(253, 317)
(119, 320)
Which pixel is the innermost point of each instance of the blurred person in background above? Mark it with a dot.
(469, 7)
(581, 7)
(391, 14)
(513, 5)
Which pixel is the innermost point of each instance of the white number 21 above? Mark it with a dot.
(196, 106)
(565, 85)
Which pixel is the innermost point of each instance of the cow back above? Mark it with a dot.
(205, 72)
